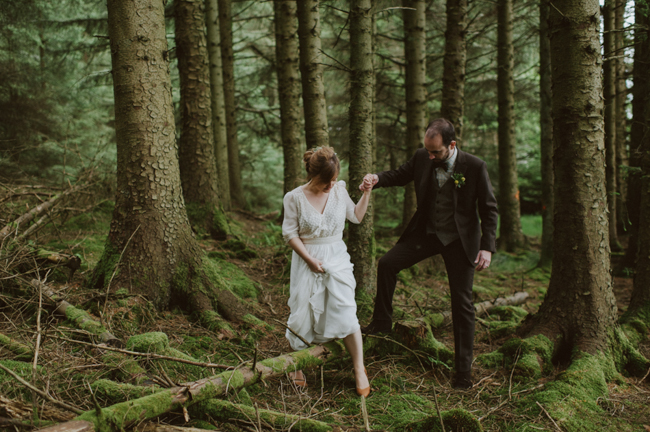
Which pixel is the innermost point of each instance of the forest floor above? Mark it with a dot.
(404, 387)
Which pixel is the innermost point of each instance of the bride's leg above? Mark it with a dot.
(354, 344)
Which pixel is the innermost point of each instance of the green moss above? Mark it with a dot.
(435, 320)
(11, 388)
(255, 322)
(22, 352)
(454, 420)
(528, 357)
(103, 271)
(491, 360)
(239, 249)
(228, 276)
(155, 342)
(244, 398)
(111, 392)
(213, 321)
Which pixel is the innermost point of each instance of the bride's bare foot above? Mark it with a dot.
(298, 379)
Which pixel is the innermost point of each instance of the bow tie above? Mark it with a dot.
(441, 164)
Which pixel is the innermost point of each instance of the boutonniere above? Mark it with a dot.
(459, 179)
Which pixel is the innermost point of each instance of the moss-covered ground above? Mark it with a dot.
(517, 386)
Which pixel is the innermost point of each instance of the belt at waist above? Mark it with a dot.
(323, 240)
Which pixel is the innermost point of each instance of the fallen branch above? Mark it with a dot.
(16, 347)
(78, 316)
(444, 318)
(121, 416)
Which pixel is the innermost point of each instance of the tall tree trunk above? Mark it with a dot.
(311, 71)
(287, 59)
(361, 240)
(414, 15)
(621, 118)
(609, 93)
(546, 135)
(453, 71)
(150, 247)
(196, 145)
(228, 65)
(579, 306)
(218, 104)
(638, 128)
(511, 235)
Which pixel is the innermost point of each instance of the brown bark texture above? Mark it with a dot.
(579, 304)
(361, 236)
(453, 71)
(621, 119)
(150, 247)
(218, 103)
(546, 135)
(228, 65)
(638, 128)
(311, 71)
(414, 15)
(609, 93)
(511, 236)
(198, 169)
(287, 58)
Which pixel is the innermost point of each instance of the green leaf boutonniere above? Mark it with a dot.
(459, 179)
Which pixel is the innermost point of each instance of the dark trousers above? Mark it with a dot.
(460, 272)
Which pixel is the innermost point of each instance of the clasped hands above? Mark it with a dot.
(369, 180)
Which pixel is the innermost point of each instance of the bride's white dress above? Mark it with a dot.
(322, 304)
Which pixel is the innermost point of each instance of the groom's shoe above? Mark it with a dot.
(463, 380)
(376, 327)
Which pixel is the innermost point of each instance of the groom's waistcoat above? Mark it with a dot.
(440, 220)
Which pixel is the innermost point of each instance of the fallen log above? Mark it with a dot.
(121, 416)
(21, 350)
(444, 318)
(13, 227)
(228, 412)
(78, 316)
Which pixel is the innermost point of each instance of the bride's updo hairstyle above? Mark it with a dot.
(322, 164)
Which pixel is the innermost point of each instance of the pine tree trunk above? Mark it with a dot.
(196, 145)
(546, 135)
(361, 238)
(288, 69)
(311, 72)
(609, 93)
(218, 104)
(579, 310)
(638, 128)
(511, 236)
(228, 68)
(150, 246)
(414, 16)
(453, 72)
(621, 121)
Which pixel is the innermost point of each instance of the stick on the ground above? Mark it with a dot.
(41, 393)
(549, 416)
(294, 333)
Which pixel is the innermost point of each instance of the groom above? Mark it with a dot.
(453, 189)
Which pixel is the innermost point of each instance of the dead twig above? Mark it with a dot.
(548, 415)
(294, 333)
(108, 286)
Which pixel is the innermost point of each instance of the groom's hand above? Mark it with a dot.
(483, 260)
(369, 180)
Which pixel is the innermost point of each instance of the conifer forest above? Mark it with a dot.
(146, 149)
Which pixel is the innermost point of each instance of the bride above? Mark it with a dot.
(322, 284)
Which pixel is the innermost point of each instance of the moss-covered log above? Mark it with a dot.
(21, 350)
(79, 317)
(123, 415)
(229, 412)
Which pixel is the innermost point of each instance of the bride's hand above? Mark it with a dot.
(316, 266)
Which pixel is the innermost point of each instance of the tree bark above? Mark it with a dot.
(218, 103)
(638, 129)
(609, 93)
(414, 15)
(453, 71)
(579, 310)
(228, 64)
(287, 58)
(150, 247)
(361, 243)
(621, 119)
(546, 135)
(311, 71)
(511, 235)
(196, 145)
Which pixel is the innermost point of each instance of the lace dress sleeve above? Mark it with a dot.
(290, 223)
(349, 204)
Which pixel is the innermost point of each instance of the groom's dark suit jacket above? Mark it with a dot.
(475, 198)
